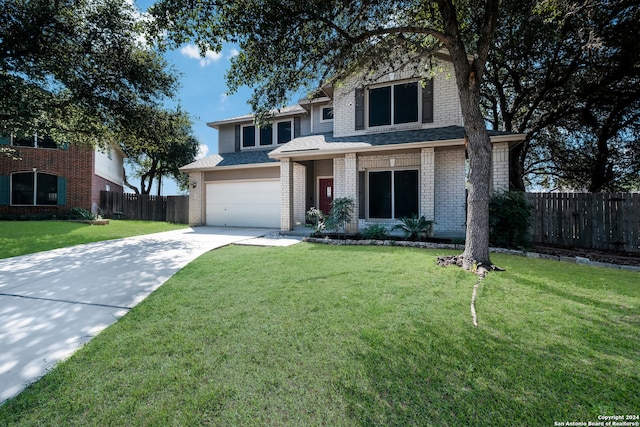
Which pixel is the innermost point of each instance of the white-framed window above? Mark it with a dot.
(326, 114)
(278, 132)
(34, 189)
(393, 194)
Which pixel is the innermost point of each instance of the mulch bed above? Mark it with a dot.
(620, 258)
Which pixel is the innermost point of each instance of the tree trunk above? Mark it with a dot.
(476, 250)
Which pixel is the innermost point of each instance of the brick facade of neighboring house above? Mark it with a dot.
(395, 145)
(52, 181)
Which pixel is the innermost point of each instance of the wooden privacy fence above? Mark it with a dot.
(173, 209)
(604, 221)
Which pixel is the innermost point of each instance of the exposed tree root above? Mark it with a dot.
(479, 269)
(474, 316)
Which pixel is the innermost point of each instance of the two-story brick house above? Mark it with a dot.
(396, 146)
(50, 180)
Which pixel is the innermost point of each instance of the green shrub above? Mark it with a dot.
(375, 231)
(340, 215)
(509, 219)
(415, 228)
(317, 220)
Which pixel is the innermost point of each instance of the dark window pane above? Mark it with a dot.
(47, 189)
(22, 188)
(46, 142)
(380, 194)
(284, 132)
(405, 189)
(380, 106)
(23, 142)
(327, 113)
(249, 136)
(266, 135)
(405, 103)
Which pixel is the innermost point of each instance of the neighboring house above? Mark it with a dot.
(51, 180)
(395, 146)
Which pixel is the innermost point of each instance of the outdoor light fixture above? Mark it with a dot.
(194, 184)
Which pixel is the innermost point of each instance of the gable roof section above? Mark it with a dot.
(240, 159)
(326, 142)
(291, 110)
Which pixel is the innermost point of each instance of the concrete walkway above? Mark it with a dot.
(53, 302)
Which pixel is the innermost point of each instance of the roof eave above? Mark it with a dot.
(317, 152)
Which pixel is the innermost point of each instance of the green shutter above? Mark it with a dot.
(4, 189)
(62, 191)
(4, 140)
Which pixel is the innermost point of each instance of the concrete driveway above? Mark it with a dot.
(53, 302)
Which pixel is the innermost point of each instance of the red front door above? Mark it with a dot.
(326, 194)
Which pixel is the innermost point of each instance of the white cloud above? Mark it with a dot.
(193, 52)
(223, 97)
(203, 150)
(233, 52)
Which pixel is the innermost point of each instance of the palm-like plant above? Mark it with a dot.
(415, 228)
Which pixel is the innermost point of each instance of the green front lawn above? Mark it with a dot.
(25, 237)
(355, 336)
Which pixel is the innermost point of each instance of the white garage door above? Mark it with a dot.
(244, 204)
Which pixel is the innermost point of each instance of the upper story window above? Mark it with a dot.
(35, 141)
(275, 133)
(327, 114)
(394, 104)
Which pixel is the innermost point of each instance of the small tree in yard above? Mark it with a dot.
(340, 214)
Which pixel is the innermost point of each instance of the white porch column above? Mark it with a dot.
(286, 194)
(500, 166)
(351, 188)
(427, 183)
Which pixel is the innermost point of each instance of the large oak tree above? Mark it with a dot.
(288, 45)
(74, 69)
(569, 77)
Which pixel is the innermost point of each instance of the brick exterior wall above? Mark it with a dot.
(427, 183)
(299, 193)
(286, 195)
(450, 194)
(500, 166)
(196, 199)
(76, 164)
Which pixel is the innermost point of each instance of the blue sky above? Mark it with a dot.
(203, 92)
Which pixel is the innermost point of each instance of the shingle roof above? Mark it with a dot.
(282, 112)
(247, 157)
(327, 141)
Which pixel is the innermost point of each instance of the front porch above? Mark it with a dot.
(386, 186)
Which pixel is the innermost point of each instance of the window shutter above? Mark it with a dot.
(296, 127)
(359, 108)
(427, 102)
(62, 191)
(361, 195)
(237, 136)
(4, 140)
(4, 190)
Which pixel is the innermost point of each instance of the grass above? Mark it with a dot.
(355, 336)
(25, 237)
